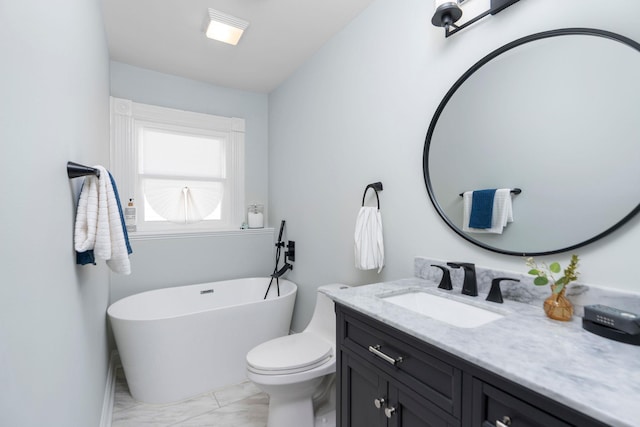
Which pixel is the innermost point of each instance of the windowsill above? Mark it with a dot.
(155, 235)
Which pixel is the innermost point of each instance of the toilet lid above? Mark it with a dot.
(290, 354)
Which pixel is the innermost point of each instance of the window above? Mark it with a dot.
(184, 170)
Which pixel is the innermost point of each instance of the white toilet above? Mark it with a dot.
(297, 371)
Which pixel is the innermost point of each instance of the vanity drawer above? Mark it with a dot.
(416, 366)
(493, 407)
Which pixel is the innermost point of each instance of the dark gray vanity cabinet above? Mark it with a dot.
(387, 378)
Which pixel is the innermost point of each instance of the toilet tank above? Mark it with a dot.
(323, 321)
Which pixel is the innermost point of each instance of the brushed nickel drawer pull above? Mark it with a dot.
(375, 349)
(506, 421)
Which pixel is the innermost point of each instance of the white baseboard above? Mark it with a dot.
(110, 390)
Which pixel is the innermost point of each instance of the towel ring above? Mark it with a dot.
(376, 186)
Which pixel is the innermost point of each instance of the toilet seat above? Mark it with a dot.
(289, 354)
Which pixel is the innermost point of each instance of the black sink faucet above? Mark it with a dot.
(469, 285)
(495, 294)
(445, 282)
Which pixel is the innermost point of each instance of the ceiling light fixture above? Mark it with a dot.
(448, 12)
(225, 28)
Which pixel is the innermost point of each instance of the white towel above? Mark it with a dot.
(99, 225)
(369, 246)
(87, 216)
(502, 212)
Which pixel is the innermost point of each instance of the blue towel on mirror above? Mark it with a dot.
(482, 208)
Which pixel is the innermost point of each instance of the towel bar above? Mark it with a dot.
(514, 191)
(376, 186)
(75, 170)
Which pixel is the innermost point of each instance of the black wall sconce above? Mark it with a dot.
(448, 12)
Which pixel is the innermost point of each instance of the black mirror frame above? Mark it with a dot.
(538, 36)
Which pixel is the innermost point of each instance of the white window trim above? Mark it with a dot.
(152, 235)
(124, 115)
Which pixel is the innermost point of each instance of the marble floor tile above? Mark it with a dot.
(239, 405)
(123, 398)
(249, 412)
(235, 392)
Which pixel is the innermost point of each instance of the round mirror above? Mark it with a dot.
(555, 114)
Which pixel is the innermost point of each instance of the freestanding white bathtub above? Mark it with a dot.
(179, 342)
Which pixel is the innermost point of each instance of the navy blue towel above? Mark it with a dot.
(124, 227)
(482, 208)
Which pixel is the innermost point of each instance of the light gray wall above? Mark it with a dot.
(358, 112)
(160, 263)
(55, 107)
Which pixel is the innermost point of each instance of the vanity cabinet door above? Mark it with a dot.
(413, 410)
(361, 390)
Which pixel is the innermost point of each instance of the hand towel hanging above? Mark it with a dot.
(369, 244)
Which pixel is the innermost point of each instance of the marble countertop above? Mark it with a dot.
(596, 376)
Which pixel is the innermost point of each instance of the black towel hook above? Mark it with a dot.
(75, 170)
(376, 186)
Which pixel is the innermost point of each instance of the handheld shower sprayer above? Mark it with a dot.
(280, 243)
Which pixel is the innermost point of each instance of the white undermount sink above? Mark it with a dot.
(446, 310)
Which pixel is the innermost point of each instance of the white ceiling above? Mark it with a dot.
(168, 36)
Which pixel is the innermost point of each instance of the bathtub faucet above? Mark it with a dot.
(276, 275)
(283, 270)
